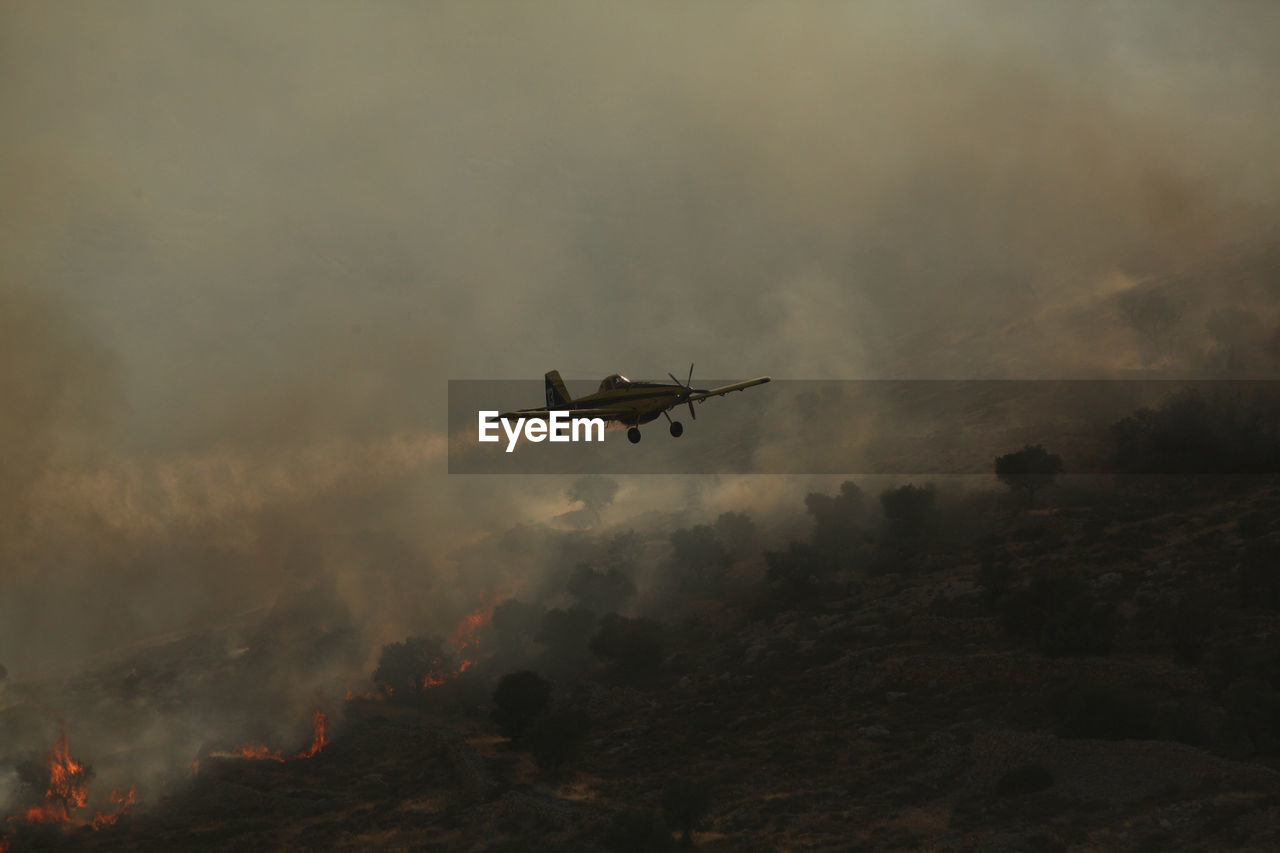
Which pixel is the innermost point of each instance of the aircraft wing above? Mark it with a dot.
(726, 389)
(608, 414)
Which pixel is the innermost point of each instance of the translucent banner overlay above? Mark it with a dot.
(892, 427)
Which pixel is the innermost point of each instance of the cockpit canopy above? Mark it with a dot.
(613, 382)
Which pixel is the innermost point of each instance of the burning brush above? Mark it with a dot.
(255, 751)
(65, 793)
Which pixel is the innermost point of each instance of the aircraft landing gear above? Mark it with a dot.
(633, 435)
(676, 429)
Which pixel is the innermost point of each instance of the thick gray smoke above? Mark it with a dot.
(245, 245)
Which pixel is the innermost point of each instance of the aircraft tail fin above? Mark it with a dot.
(557, 394)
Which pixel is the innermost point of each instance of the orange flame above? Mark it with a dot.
(464, 636)
(257, 752)
(122, 802)
(318, 739)
(68, 783)
(68, 791)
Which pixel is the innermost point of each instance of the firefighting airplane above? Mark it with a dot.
(630, 403)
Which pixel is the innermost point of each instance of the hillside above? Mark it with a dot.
(874, 710)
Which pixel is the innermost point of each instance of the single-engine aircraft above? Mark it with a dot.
(630, 403)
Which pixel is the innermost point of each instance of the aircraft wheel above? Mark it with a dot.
(633, 435)
(676, 429)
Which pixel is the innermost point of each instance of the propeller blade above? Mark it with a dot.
(692, 413)
(673, 377)
(688, 382)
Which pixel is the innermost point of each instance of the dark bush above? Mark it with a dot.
(684, 803)
(519, 699)
(408, 668)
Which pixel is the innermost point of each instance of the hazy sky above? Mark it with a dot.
(245, 244)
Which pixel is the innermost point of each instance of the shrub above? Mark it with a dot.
(519, 699)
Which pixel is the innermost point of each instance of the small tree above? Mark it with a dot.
(684, 803)
(1028, 470)
(519, 699)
